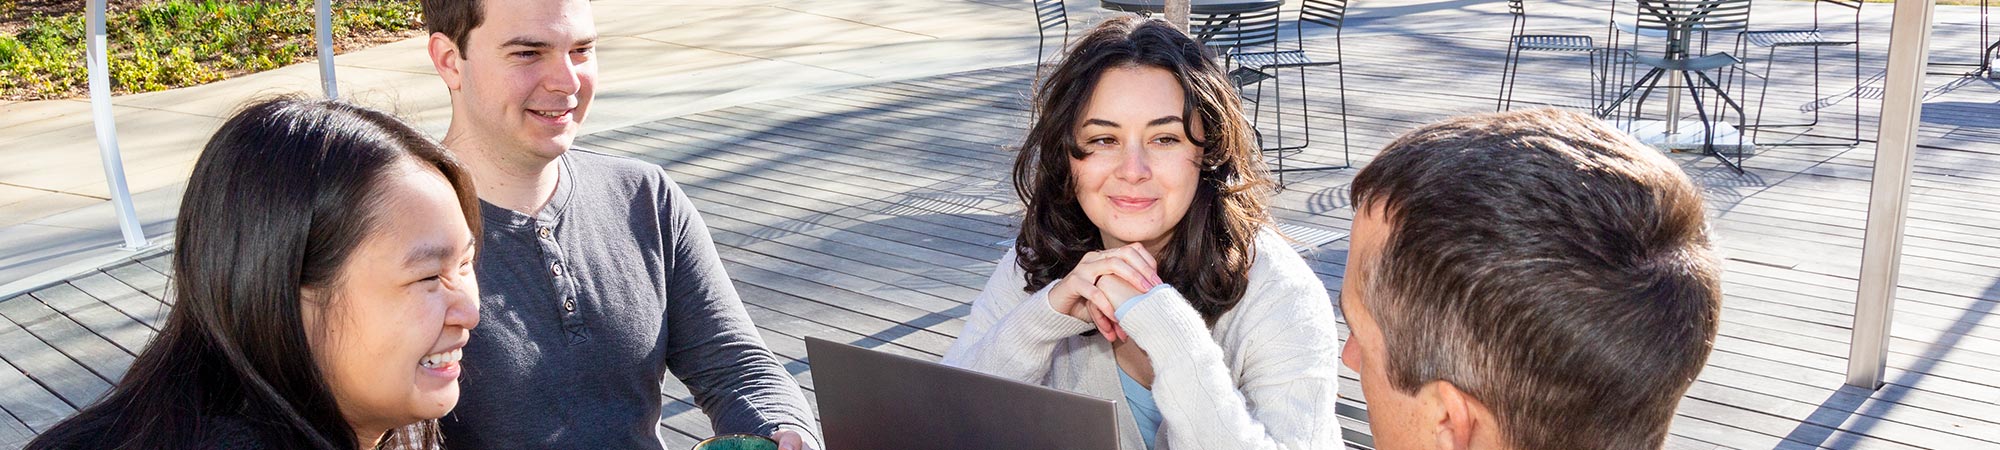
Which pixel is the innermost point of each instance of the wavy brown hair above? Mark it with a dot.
(1210, 255)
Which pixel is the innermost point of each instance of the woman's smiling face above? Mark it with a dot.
(1142, 169)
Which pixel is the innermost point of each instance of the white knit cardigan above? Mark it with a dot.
(1265, 377)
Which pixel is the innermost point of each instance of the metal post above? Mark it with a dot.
(1178, 12)
(1673, 109)
(1889, 193)
(324, 28)
(107, 132)
(1677, 45)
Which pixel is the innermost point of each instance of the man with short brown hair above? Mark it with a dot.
(597, 277)
(1526, 280)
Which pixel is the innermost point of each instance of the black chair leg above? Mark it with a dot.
(1707, 129)
(1652, 76)
(1594, 95)
(1340, 73)
(1723, 107)
(1278, 95)
(1506, 77)
(1763, 93)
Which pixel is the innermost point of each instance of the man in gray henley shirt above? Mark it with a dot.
(596, 275)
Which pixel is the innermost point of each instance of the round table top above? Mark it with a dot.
(1195, 6)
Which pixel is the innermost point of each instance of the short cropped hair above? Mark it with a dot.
(454, 18)
(1550, 266)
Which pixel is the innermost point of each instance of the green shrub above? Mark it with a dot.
(174, 43)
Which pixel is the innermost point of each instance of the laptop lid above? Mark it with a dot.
(871, 400)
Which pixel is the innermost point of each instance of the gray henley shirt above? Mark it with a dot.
(587, 306)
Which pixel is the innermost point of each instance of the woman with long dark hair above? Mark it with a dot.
(1145, 269)
(322, 290)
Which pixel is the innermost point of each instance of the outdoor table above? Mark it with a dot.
(1194, 6)
(1667, 134)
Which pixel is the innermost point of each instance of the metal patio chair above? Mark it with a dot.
(1815, 38)
(1518, 41)
(1256, 50)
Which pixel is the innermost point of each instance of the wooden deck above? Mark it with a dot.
(872, 215)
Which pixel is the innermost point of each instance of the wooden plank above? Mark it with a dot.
(805, 279)
(26, 401)
(675, 439)
(162, 263)
(54, 371)
(14, 434)
(895, 247)
(107, 323)
(799, 317)
(124, 297)
(144, 279)
(1842, 408)
(683, 424)
(102, 357)
(780, 162)
(801, 327)
(766, 184)
(862, 159)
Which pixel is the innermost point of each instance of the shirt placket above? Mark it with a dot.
(565, 284)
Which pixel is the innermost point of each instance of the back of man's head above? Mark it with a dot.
(1548, 266)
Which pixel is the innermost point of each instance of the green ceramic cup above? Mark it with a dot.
(737, 442)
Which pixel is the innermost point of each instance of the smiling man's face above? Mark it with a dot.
(526, 76)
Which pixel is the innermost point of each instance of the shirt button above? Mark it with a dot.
(569, 305)
(556, 267)
(545, 232)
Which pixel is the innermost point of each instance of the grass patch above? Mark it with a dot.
(175, 43)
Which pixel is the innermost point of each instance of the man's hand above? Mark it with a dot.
(789, 439)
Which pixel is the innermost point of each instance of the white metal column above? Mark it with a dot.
(107, 132)
(324, 28)
(1889, 193)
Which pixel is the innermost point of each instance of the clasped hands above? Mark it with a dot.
(1101, 282)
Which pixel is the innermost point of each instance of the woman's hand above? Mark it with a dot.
(1080, 295)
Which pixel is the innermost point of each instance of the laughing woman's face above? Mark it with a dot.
(389, 336)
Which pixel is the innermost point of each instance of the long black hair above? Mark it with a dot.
(1213, 247)
(281, 196)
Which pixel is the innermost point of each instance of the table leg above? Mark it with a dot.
(1673, 109)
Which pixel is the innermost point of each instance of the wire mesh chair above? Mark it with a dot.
(1050, 15)
(1679, 22)
(1258, 53)
(1816, 39)
(1519, 41)
(1988, 54)
(1237, 32)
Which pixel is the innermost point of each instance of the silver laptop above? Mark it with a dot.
(870, 400)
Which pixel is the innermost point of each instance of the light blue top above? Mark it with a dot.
(1119, 313)
(1143, 409)
(1141, 399)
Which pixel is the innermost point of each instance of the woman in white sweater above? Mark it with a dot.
(1145, 270)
